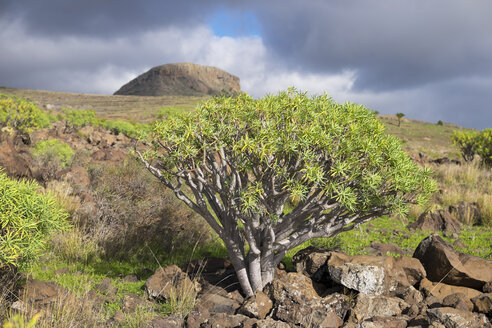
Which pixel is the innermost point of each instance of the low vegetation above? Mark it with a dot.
(21, 115)
(126, 222)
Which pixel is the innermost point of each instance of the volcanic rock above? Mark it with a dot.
(182, 79)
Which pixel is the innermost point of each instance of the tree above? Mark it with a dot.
(399, 116)
(272, 173)
(467, 142)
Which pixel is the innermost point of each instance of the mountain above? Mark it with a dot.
(182, 79)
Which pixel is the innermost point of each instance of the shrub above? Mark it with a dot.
(21, 114)
(76, 118)
(440, 123)
(239, 161)
(466, 142)
(53, 150)
(128, 129)
(484, 146)
(27, 217)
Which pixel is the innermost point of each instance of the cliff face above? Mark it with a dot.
(182, 79)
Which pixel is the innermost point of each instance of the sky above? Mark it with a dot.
(428, 59)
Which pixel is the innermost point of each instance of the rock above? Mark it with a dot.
(77, 176)
(369, 306)
(197, 316)
(171, 321)
(483, 303)
(454, 318)
(270, 323)
(167, 281)
(439, 220)
(487, 288)
(458, 301)
(443, 263)
(409, 294)
(13, 163)
(466, 212)
(377, 248)
(106, 288)
(384, 322)
(296, 301)
(441, 290)
(182, 79)
(132, 301)
(374, 274)
(216, 303)
(41, 293)
(223, 320)
(108, 154)
(257, 306)
(61, 271)
(311, 261)
(130, 278)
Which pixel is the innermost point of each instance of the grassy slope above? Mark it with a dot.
(131, 108)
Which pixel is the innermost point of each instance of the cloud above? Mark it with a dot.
(429, 60)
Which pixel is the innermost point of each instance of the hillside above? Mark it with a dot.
(182, 79)
(131, 237)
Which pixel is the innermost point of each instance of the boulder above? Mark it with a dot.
(311, 261)
(197, 316)
(374, 274)
(384, 322)
(257, 306)
(369, 306)
(166, 282)
(171, 321)
(216, 303)
(108, 154)
(105, 287)
(223, 320)
(297, 302)
(441, 290)
(443, 263)
(12, 162)
(439, 220)
(458, 301)
(42, 293)
(270, 323)
(483, 303)
(454, 318)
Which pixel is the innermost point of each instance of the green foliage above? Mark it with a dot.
(474, 142)
(440, 123)
(399, 116)
(21, 114)
(76, 118)
(26, 218)
(53, 150)
(484, 146)
(466, 142)
(129, 129)
(342, 149)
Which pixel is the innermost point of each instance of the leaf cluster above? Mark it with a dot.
(21, 115)
(26, 218)
(309, 146)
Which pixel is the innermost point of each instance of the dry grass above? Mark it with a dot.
(470, 183)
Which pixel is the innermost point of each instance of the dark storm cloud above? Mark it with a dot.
(104, 18)
(391, 43)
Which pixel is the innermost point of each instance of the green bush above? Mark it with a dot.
(53, 150)
(21, 114)
(466, 142)
(26, 218)
(128, 129)
(484, 146)
(76, 118)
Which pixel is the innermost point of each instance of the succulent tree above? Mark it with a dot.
(270, 174)
(399, 116)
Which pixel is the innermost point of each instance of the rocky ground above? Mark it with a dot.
(437, 287)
